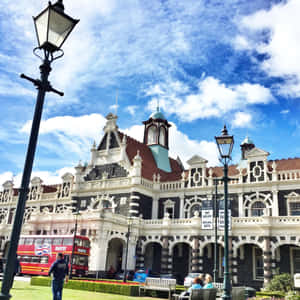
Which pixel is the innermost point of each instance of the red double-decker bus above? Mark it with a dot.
(37, 253)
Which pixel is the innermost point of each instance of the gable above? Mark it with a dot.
(257, 153)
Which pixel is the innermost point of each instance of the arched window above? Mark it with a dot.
(162, 136)
(152, 135)
(257, 209)
(195, 207)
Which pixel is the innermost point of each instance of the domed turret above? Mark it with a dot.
(157, 115)
(156, 136)
(246, 146)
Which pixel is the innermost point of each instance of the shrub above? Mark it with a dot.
(282, 282)
(292, 295)
(265, 294)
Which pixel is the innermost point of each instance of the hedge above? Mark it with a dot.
(270, 294)
(112, 288)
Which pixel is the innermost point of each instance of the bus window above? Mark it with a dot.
(36, 259)
(57, 241)
(68, 242)
(38, 241)
(26, 259)
(78, 242)
(86, 243)
(48, 241)
(80, 260)
(22, 240)
(44, 259)
(28, 241)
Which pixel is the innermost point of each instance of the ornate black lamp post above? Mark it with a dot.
(52, 27)
(129, 223)
(76, 214)
(225, 145)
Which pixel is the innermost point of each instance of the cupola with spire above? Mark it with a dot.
(156, 136)
(246, 146)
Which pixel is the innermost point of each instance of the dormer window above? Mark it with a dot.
(152, 135)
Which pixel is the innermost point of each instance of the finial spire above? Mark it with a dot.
(157, 107)
(59, 5)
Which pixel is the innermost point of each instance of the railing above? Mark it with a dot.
(147, 183)
(173, 185)
(288, 175)
(104, 184)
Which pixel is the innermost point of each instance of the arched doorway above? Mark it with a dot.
(152, 257)
(114, 254)
(250, 265)
(181, 261)
(209, 261)
(288, 259)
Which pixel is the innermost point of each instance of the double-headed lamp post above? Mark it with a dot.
(52, 27)
(225, 145)
(129, 223)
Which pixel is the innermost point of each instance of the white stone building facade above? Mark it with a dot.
(129, 179)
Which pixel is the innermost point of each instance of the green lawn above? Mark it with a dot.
(24, 291)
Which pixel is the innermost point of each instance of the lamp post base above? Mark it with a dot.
(226, 297)
(4, 297)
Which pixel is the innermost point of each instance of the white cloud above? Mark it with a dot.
(213, 98)
(131, 109)
(86, 126)
(48, 178)
(276, 33)
(69, 138)
(73, 137)
(181, 145)
(285, 111)
(242, 119)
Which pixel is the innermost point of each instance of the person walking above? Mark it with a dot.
(60, 271)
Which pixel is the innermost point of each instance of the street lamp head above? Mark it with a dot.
(225, 143)
(53, 26)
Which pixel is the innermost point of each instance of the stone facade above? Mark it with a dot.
(122, 181)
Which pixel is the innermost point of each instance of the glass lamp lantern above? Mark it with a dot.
(225, 143)
(53, 26)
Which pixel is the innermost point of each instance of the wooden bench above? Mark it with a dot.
(158, 284)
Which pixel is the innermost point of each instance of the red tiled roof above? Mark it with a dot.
(46, 189)
(49, 188)
(218, 171)
(148, 162)
(285, 164)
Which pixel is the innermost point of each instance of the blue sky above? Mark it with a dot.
(207, 63)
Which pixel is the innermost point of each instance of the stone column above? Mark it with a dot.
(267, 258)
(181, 206)
(275, 208)
(139, 263)
(166, 259)
(134, 205)
(234, 267)
(98, 256)
(241, 208)
(200, 257)
(195, 255)
(155, 207)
